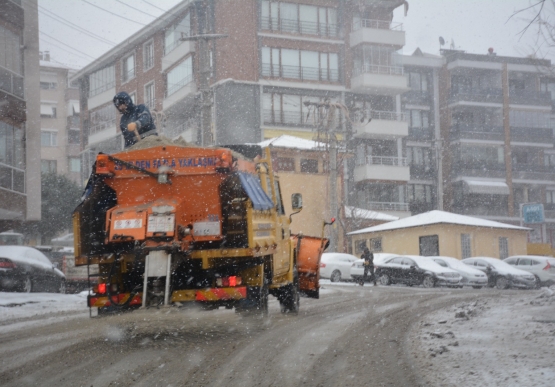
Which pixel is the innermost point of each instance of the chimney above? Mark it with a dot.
(490, 52)
(47, 56)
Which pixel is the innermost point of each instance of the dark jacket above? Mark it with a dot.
(368, 257)
(138, 114)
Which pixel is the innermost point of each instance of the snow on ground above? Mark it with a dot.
(505, 341)
(25, 305)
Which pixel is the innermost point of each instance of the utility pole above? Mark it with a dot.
(207, 137)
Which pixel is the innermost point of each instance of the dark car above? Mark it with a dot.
(25, 269)
(415, 270)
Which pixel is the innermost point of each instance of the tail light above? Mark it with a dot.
(7, 264)
(229, 281)
(101, 289)
(322, 265)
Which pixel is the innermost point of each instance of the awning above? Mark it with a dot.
(75, 106)
(251, 184)
(46, 110)
(486, 187)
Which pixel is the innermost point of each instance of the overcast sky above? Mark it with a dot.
(472, 25)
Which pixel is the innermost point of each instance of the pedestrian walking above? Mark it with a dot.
(368, 257)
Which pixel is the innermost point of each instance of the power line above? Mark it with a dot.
(115, 14)
(62, 48)
(138, 10)
(152, 5)
(73, 48)
(74, 26)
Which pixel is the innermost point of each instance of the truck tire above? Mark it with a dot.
(291, 298)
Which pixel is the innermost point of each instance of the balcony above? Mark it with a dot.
(291, 26)
(421, 134)
(417, 97)
(176, 54)
(402, 210)
(468, 95)
(476, 132)
(12, 83)
(525, 97)
(477, 169)
(535, 135)
(292, 118)
(377, 79)
(11, 178)
(382, 168)
(533, 172)
(300, 73)
(423, 172)
(377, 32)
(384, 125)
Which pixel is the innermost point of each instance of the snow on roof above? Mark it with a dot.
(435, 217)
(360, 213)
(285, 141)
(46, 63)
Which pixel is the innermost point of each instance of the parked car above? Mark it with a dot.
(336, 266)
(543, 268)
(25, 269)
(357, 268)
(470, 276)
(415, 270)
(501, 274)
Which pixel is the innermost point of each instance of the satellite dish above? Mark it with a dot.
(441, 41)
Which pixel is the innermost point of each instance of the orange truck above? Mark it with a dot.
(169, 224)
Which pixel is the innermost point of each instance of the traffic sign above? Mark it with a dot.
(533, 213)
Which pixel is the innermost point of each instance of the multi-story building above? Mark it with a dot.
(271, 68)
(20, 198)
(60, 124)
(497, 132)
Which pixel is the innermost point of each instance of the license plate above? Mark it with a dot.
(161, 223)
(206, 228)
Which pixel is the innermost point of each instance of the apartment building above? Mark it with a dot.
(273, 67)
(60, 122)
(497, 132)
(20, 198)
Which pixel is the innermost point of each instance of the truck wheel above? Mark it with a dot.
(61, 287)
(291, 299)
(27, 285)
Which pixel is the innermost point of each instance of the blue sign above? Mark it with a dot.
(533, 213)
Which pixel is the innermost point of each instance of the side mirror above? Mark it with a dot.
(297, 201)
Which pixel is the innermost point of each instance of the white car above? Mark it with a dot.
(336, 266)
(470, 276)
(357, 268)
(501, 274)
(543, 268)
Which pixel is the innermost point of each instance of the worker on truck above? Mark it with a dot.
(136, 122)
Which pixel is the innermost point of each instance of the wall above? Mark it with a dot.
(485, 241)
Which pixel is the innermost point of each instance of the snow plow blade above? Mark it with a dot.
(309, 253)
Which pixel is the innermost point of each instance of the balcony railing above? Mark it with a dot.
(383, 160)
(12, 178)
(174, 87)
(529, 97)
(99, 127)
(299, 27)
(295, 118)
(421, 133)
(302, 73)
(378, 69)
(459, 92)
(532, 134)
(533, 168)
(477, 132)
(102, 88)
(385, 206)
(12, 83)
(377, 24)
(388, 116)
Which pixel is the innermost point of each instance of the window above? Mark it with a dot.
(179, 76)
(376, 59)
(417, 155)
(309, 166)
(150, 100)
(300, 64)
(419, 118)
(74, 164)
(48, 85)
(73, 136)
(103, 118)
(279, 202)
(550, 197)
(529, 119)
(10, 51)
(48, 166)
(11, 147)
(524, 262)
(419, 193)
(440, 262)
(290, 109)
(148, 55)
(360, 246)
(48, 110)
(128, 68)
(285, 164)
(298, 18)
(503, 247)
(548, 87)
(375, 244)
(466, 248)
(48, 138)
(418, 81)
(175, 32)
(429, 245)
(482, 155)
(102, 80)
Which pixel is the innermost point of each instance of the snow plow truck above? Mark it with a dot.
(172, 224)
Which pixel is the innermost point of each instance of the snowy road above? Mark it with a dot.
(352, 336)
